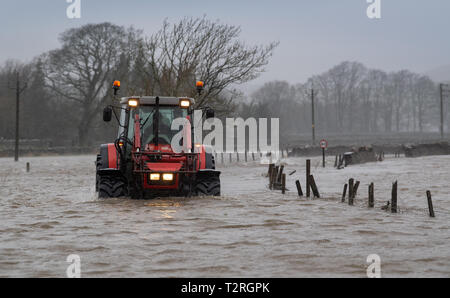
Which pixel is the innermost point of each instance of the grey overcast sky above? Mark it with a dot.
(314, 35)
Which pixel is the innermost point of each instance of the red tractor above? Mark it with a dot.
(141, 162)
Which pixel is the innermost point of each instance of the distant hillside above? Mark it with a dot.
(440, 74)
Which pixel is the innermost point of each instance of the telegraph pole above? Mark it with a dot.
(441, 89)
(19, 90)
(313, 126)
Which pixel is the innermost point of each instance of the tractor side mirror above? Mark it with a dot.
(209, 113)
(107, 114)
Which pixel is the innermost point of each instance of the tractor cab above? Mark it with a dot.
(142, 161)
(155, 121)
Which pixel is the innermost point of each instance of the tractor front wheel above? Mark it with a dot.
(98, 166)
(111, 187)
(208, 186)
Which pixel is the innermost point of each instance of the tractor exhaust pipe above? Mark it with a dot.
(156, 122)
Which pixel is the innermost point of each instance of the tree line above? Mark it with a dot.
(68, 87)
(350, 98)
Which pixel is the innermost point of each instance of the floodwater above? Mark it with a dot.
(250, 231)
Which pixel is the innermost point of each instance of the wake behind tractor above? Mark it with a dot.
(141, 162)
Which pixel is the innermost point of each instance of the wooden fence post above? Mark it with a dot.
(283, 183)
(394, 198)
(308, 172)
(371, 197)
(269, 173)
(341, 161)
(314, 186)
(273, 177)
(28, 167)
(280, 173)
(344, 192)
(355, 189)
(430, 204)
(299, 188)
(350, 191)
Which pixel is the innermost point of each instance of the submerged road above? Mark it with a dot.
(52, 212)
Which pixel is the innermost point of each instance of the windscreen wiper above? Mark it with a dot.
(146, 119)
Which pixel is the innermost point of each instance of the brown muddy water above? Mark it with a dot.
(52, 212)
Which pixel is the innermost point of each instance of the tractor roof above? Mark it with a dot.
(151, 100)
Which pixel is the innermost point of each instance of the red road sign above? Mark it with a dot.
(323, 144)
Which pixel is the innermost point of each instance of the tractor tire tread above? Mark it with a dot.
(111, 187)
(208, 186)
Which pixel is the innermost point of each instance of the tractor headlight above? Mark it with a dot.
(168, 177)
(154, 176)
(185, 103)
(133, 102)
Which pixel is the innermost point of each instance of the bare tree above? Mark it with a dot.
(423, 92)
(14, 76)
(83, 68)
(350, 96)
(199, 49)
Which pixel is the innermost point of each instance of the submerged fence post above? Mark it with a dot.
(344, 192)
(28, 167)
(271, 166)
(350, 191)
(355, 189)
(283, 183)
(430, 204)
(308, 172)
(314, 186)
(273, 177)
(299, 188)
(280, 174)
(394, 198)
(341, 161)
(371, 198)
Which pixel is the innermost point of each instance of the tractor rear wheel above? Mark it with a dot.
(111, 187)
(208, 186)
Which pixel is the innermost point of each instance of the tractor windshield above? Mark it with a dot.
(148, 120)
(166, 115)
